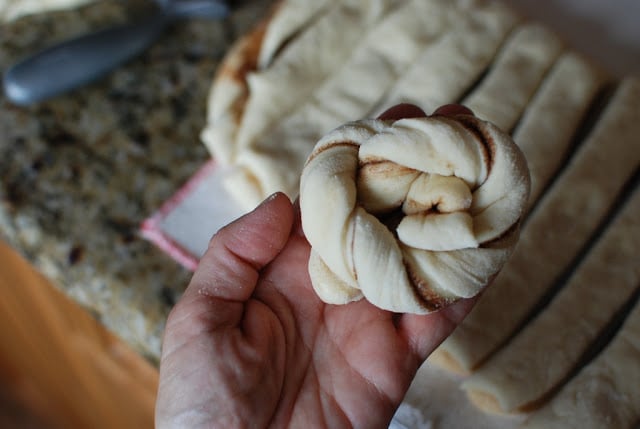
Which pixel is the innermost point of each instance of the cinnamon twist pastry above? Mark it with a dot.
(413, 214)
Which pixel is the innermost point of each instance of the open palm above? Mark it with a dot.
(251, 345)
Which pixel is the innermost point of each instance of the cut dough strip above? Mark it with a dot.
(229, 94)
(605, 393)
(561, 224)
(290, 17)
(447, 68)
(515, 75)
(540, 357)
(547, 128)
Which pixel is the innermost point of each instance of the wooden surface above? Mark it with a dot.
(59, 368)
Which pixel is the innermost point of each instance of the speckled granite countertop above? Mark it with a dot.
(79, 173)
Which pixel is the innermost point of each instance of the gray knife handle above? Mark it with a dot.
(79, 61)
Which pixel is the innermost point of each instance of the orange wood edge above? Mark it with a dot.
(61, 362)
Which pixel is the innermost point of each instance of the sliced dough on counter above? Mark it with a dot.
(515, 75)
(554, 233)
(290, 17)
(229, 94)
(605, 393)
(546, 131)
(306, 63)
(549, 348)
(451, 65)
(274, 159)
(264, 120)
(244, 101)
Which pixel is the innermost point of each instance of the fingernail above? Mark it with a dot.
(269, 199)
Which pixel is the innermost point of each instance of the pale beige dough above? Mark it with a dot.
(605, 393)
(272, 154)
(461, 186)
(292, 16)
(244, 103)
(265, 118)
(562, 222)
(554, 116)
(515, 75)
(540, 357)
(454, 61)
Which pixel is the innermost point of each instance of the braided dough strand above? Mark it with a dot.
(411, 214)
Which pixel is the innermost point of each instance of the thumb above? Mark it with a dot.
(228, 271)
(229, 268)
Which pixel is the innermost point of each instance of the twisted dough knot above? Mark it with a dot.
(413, 214)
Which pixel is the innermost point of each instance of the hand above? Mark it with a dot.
(251, 345)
